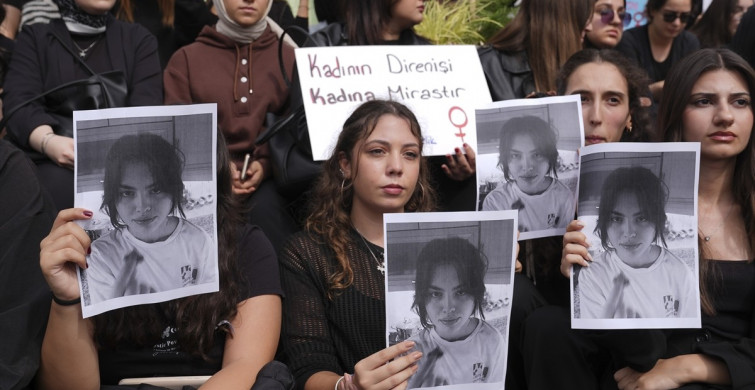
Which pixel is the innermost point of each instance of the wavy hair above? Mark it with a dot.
(637, 82)
(329, 216)
(681, 79)
(197, 317)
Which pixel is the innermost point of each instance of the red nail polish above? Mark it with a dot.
(88, 214)
(89, 250)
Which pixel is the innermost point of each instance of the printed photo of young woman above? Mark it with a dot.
(527, 161)
(638, 207)
(147, 173)
(449, 289)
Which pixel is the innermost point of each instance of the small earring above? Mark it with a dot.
(341, 170)
(629, 128)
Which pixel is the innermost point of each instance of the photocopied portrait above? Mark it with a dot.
(639, 210)
(449, 288)
(528, 161)
(148, 175)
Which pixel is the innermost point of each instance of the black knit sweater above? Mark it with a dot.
(320, 334)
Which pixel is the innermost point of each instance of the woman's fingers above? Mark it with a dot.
(386, 368)
(63, 250)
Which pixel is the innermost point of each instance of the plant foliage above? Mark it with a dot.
(472, 22)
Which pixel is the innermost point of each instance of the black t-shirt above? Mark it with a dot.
(258, 267)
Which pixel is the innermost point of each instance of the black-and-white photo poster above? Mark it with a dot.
(527, 161)
(638, 204)
(449, 286)
(149, 176)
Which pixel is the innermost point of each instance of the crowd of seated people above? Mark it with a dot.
(301, 302)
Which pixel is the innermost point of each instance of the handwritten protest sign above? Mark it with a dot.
(441, 84)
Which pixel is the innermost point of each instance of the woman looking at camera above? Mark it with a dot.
(334, 330)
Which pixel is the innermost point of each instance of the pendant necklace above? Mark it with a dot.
(379, 265)
(83, 52)
(707, 237)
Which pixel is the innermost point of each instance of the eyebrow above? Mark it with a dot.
(386, 143)
(457, 287)
(584, 91)
(613, 212)
(123, 186)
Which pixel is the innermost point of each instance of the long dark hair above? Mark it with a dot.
(637, 82)
(332, 195)
(549, 31)
(681, 79)
(196, 317)
(713, 27)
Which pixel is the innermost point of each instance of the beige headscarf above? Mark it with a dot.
(233, 30)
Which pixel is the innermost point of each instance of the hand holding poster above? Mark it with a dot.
(441, 84)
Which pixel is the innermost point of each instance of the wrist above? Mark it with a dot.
(338, 382)
(66, 302)
(45, 140)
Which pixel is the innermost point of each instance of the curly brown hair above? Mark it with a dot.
(332, 195)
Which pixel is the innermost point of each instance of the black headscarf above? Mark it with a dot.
(75, 16)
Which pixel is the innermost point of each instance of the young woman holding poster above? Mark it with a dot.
(335, 326)
(233, 338)
(715, 109)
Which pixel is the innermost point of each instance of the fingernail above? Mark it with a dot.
(88, 213)
(89, 250)
(580, 224)
(457, 150)
(589, 258)
(86, 265)
(465, 145)
(410, 345)
(416, 355)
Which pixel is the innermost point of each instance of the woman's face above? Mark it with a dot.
(407, 13)
(385, 167)
(246, 12)
(739, 10)
(448, 305)
(719, 115)
(528, 166)
(630, 231)
(607, 23)
(95, 7)
(142, 205)
(673, 11)
(605, 101)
